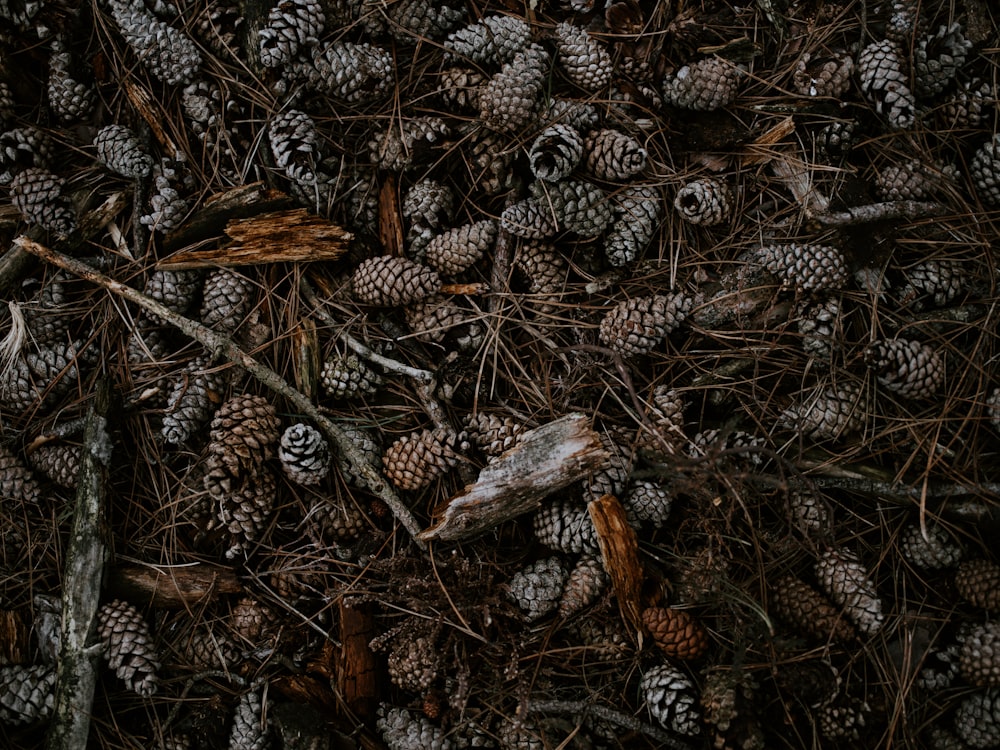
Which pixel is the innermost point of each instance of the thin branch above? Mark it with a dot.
(610, 715)
(881, 212)
(224, 346)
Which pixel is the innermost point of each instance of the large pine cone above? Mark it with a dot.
(168, 53)
(564, 525)
(38, 196)
(614, 156)
(805, 609)
(676, 632)
(291, 24)
(417, 459)
(637, 326)
(494, 40)
(245, 501)
(830, 413)
(586, 582)
(244, 432)
(346, 70)
(509, 101)
(978, 582)
(577, 206)
(347, 375)
(846, 582)
(907, 367)
(16, 481)
(27, 693)
(225, 300)
(885, 83)
(493, 434)
(977, 719)
(638, 210)
(393, 281)
(459, 248)
(128, 646)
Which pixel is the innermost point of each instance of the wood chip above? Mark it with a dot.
(620, 551)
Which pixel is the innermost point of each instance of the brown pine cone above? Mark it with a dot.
(582, 58)
(705, 85)
(978, 582)
(840, 721)
(530, 219)
(194, 398)
(128, 646)
(810, 268)
(661, 437)
(979, 658)
(935, 552)
(415, 658)
(459, 88)
(968, 106)
(208, 648)
(536, 588)
(509, 101)
(586, 581)
(825, 75)
(614, 156)
(491, 433)
(907, 367)
(60, 462)
(391, 281)
(16, 480)
(417, 459)
(457, 249)
(244, 432)
(885, 83)
(225, 300)
(812, 682)
(638, 325)
(676, 632)
(546, 269)
(914, 180)
(818, 322)
(809, 612)
(409, 21)
(807, 511)
(706, 201)
(433, 318)
(39, 376)
(38, 196)
(336, 523)
(253, 621)
(245, 502)
(829, 413)
(845, 580)
(27, 693)
(555, 152)
(407, 144)
(612, 479)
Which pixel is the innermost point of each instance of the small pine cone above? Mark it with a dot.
(555, 152)
(167, 208)
(614, 156)
(245, 502)
(808, 512)
(336, 523)
(914, 180)
(69, 99)
(801, 607)
(647, 504)
(367, 444)
(205, 648)
(401, 730)
(672, 699)
(250, 725)
(638, 325)
(459, 89)
(586, 581)
(936, 551)
(59, 462)
(392, 281)
(38, 196)
(678, 634)
(530, 219)
(977, 719)
(22, 148)
(27, 693)
(831, 412)
(565, 526)
(244, 432)
(828, 75)
(429, 203)
(252, 620)
(119, 149)
(905, 22)
(493, 434)
(193, 400)
(837, 138)
(968, 106)
(841, 720)
(536, 588)
(433, 318)
(659, 439)
(16, 480)
(347, 376)
(544, 266)
(304, 454)
(415, 658)
(490, 159)
(978, 582)
(638, 210)
(907, 367)
(984, 170)
(409, 21)
(403, 145)
(168, 53)
(294, 144)
(582, 58)
(458, 249)
(577, 206)
(417, 459)
(727, 698)
(509, 101)
(225, 300)
(818, 322)
(979, 657)
(291, 24)
(845, 580)
(885, 84)
(346, 71)
(128, 646)
(703, 86)
(492, 41)
(938, 58)
(809, 268)
(39, 377)
(706, 202)
(942, 280)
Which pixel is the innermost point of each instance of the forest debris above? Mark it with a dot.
(620, 551)
(172, 586)
(545, 460)
(390, 217)
(356, 675)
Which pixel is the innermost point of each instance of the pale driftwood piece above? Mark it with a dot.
(293, 236)
(610, 715)
(85, 558)
(620, 552)
(888, 211)
(545, 460)
(172, 586)
(225, 347)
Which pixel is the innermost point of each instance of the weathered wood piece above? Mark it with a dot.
(390, 218)
(356, 673)
(172, 586)
(545, 460)
(620, 551)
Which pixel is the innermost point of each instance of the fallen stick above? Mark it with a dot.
(890, 210)
(172, 585)
(612, 716)
(225, 347)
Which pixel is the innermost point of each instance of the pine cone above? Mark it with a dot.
(993, 408)
(22, 148)
(432, 319)
(367, 443)
(405, 145)
(409, 21)
(577, 206)
(942, 280)
(128, 646)
(27, 693)
(603, 639)
(818, 322)
(703, 86)
(840, 721)
(582, 58)
(935, 552)
(706, 202)
(530, 219)
(647, 504)
(837, 138)
(336, 523)
(401, 730)
(509, 101)
(831, 412)
(493, 434)
(845, 580)
(392, 281)
(565, 526)
(638, 325)
(809, 268)
(885, 84)
(244, 431)
(291, 24)
(978, 583)
(984, 170)
(168, 53)
(418, 458)
(938, 58)
(294, 143)
(415, 659)
(16, 480)
(304, 454)
(69, 99)
(577, 114)
(250, 725)
(613, 478)
(907, 367)
(57, 461)
(808, 512)
(979, 658)
(536, 588)
(193, 400)
(245, 501)
(429, 203)
(905, 22)
(555, 152)
(914, 180)
(727, 703)
(458, 249)
(828, 76)
(347, 376)
(678, 634)
(204, 648)
(638, 210)
(119, 149)
(586, 581)
(810, 682)
(968, 106)
(666, 415)
(977, 719)
(167, 208)
(346, 71)
(459, 89)
(39, 377)
(806, 610)
(492, 41)
(38, 196)
(614, 156)
(672, 699)
(226, 300)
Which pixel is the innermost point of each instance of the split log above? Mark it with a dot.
(620, 551)
(172, 586)
(544, 461)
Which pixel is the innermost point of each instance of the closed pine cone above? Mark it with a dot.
(614, 156)
(347, 375)
(647, 503)
(810, 268)
(433, 318)
(907, 367)
(250, 730)
(809, 612)
(979, 658)
(509, 101)
(60, 462)
(565, 525)
(225, 300)
(193, 400)
(935, 552)
(578, 206)
(846, 581)
(118, 149)
(586, 582)
(27, 693)
(244, 431)
(128, 646)
(824, 75)
(537, 588)
(38, 195)
(638, 210)
(984, 170)
(530, 219)
(672, 699)
(676, 632)
(337, 523)
(16, 480)
(978, 582)
(493, 40)
(457, 249)
(417, 459)
(493, 434)
(583, 59)
(637, 326)
(977, 719)
(245, 501)
(392, 281)
(941, 280)
(704, 85)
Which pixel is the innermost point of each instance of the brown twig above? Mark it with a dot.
(610, 715)
(224, 346)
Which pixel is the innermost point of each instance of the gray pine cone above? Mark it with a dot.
(459, 87)
(406, 144)
(16, 481)
(984, 170)
(905, 22)
(491, 433)
(367, 443)
(21, 148)
(537, 588)
(401, 730)
(614, 156)
(938, 58)
(885, 83)
(672, 699)
(845, 580)
(831, 412)
(509, 101)
(818, 322)
(582, 58)
(907, 367)
(295, 145)
(39, 377)
(27, 693)
(38, 196)
(346, 376)
(809, 268)
(577, 206)
(705, 85)
(530, 219)
(555, 152)
(250, 729)
(118, 149)
(304, 454)
(128, 646)
(291, 25)
(638, 210)
(166, 206)
(705, 201)
(647, 504)
(823, 75)
(409, 21)
(942, 280)
(492, 41)
(225, 300)
(346, 71)
(936, 551)
(977, 719)
(914, 180)
(565, 526)
(69, 99)
(196, 393)
(168, 53)
(637, 326)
